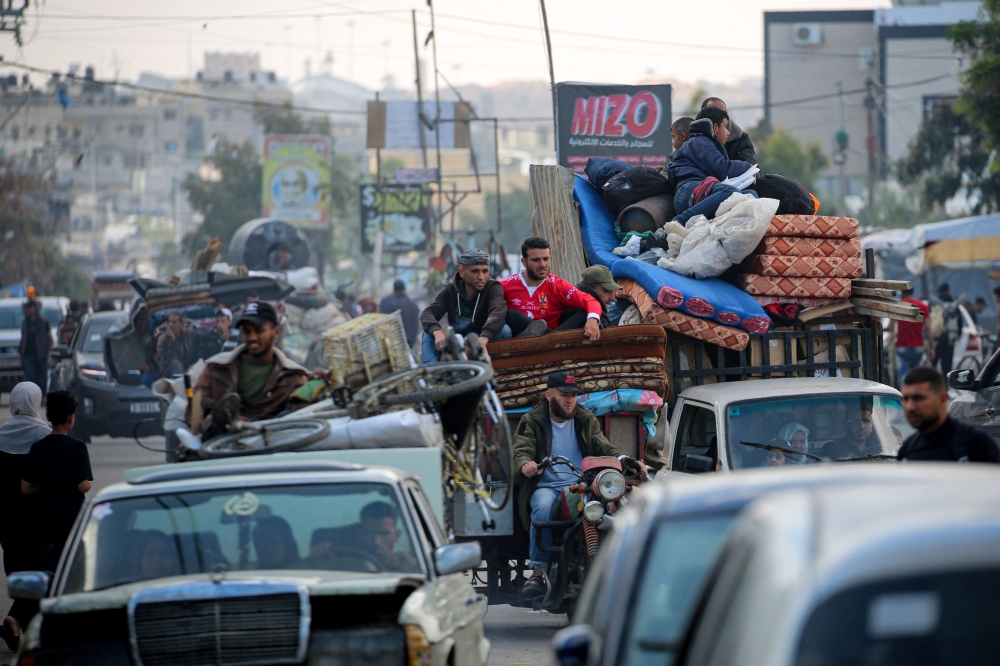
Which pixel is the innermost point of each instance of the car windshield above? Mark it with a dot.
(939, 620)
(93, 340)
(774, 433)
(682, 554)
(11, 317)
(334, 527)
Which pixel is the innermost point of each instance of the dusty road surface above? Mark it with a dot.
(519, 637)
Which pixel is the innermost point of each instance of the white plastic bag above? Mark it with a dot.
(630, 248)
(744, 180)
(714, 245)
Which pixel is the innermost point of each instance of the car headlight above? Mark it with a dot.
(609, 485)
(593, 511)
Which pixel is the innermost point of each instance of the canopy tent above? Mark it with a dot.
(962, 244)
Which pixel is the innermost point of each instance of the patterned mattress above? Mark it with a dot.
(694, 327)
(813, 226)
(803, 301)
(524, 397)
(808, 247)
(768, 264)
(825, 287)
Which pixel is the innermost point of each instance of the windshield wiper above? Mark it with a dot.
(783, 449)
(873, 456)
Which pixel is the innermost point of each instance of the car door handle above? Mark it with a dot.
(475, 599)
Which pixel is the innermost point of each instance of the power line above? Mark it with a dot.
(856, 91)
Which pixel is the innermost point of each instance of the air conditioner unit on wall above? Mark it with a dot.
(807, 34)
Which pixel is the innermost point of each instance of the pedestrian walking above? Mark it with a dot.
(25, 426)
(408, 310)
(36, 343)
(939, 436)
(912, 338)
(58, 471)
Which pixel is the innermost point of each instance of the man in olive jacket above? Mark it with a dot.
(556, 426)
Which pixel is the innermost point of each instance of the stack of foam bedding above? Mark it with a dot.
(804, 259)
(624, 357)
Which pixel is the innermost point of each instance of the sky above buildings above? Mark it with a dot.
(368, 40)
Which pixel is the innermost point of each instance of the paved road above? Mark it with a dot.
(519, 636)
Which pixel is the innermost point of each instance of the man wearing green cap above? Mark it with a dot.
(597, 282)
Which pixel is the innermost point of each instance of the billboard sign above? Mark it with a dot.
(400, 210)
(627, 123)
(296, 179)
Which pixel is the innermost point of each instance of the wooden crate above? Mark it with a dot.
(362, 350)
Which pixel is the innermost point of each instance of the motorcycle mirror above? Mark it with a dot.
(573, 644)
(962, 380)
(694, 464)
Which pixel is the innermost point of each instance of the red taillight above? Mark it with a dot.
(973, 342)
(28, 658)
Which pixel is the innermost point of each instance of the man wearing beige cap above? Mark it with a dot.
(597, 282)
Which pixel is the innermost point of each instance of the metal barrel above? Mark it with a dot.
(647, 215)
(253, 243)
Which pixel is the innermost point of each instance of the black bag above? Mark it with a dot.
(795, 199)
(632, 186)
(599, 170)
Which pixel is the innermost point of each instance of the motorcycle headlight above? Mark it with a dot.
(609, 485)
(593, 511)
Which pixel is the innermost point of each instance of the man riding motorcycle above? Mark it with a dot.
(556, 426)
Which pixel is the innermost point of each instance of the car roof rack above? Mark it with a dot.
(180, 473)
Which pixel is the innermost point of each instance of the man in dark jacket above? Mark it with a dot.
(738, 145)
(474, 304)
(36, 343)
(597, 282)
(408, 310)
(701, 164)
(939, 436)
(555, 426)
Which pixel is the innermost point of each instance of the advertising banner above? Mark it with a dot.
(403, 207)
(627, 123)
(296, 178)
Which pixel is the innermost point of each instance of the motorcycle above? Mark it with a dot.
(586, 512)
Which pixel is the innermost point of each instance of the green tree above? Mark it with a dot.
(228, 199)
(26, 247)
(950, 155)
(778, 151)
(979, 102)
(286, 120)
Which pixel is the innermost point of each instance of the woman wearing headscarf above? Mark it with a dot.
(25, 426)
(794, 436)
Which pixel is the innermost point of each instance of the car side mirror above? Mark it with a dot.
(694, 464)
(457, 557)
(574, 644)
(963, 380)
(60, 352)
(28, 585)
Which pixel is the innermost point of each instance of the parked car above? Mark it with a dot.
(257, 561)
(977, 396)
(107, 407)
(54, 308)
(871, 574)
(640, 597)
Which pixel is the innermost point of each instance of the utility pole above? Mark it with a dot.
(842, 139)
(871, 106)
(437, 122)
(420, 94)
(552, 75)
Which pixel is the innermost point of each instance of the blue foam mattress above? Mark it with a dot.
(709, 299)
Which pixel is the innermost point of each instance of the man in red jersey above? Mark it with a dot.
(538, 302)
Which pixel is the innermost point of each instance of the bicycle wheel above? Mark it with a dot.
(273, 437)
(496, 454)
(444, 380)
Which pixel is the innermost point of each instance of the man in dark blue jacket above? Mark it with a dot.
(703, 157)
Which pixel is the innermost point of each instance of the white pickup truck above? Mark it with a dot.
(758, 423)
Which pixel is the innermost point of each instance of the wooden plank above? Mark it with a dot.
(882, 284)
(822, 310)
(879, 313)
(874, 291)
(554, 217)
(886, 305)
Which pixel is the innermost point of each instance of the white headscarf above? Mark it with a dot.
(786, 433)
(27, 423)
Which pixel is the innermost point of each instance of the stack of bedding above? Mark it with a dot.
(804, 259)
(624, 357)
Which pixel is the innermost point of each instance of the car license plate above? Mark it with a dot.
(144, 407)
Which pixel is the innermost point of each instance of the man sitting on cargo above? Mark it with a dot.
(177, 347)
(556, 426)
(253, 381)
(539, 302)
(597, 282)
(473, 302)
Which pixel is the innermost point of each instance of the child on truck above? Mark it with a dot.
(701, 164)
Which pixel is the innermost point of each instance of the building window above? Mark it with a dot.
(932, 102)
(31, 131)
(170, 114)
(14, 133)
(136, 130)
(170, 147)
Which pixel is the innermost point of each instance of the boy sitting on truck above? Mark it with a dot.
(680, 131)
(701, 164)
(538, 302)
